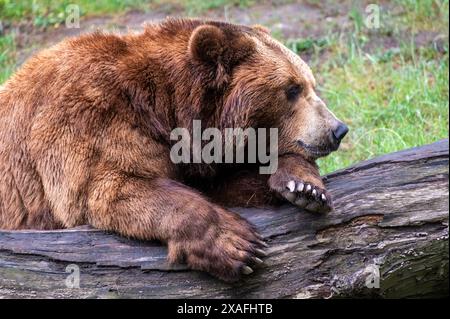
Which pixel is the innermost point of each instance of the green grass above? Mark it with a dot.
(44, 13)
(430, 15)
(389, 105)
(7, 56)
(48, 13)
(394, 98)
(195, 7)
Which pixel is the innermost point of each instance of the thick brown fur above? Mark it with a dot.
(85, 129)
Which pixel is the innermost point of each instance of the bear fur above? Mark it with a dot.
(85, 138)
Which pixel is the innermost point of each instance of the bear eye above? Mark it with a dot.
(293, 92)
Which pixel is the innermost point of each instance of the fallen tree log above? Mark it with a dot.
(388, 237)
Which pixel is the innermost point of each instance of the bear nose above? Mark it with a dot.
(340, 131)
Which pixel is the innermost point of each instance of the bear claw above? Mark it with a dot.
(261, 252)
(291, 186)
(307, 196)
(263, 244)
(246, 270)
(308, 188)
(257, 260)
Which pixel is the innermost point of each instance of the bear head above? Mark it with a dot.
(263, 84)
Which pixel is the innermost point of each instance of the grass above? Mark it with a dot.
(389, 106)
(195, 7)
(44, 13)
(391, 98)
(394, 98)
(7, 56)
(429, 15)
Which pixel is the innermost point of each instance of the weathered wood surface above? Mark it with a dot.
(391, 214)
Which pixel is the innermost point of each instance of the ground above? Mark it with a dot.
(390, 84)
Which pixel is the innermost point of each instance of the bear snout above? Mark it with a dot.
(340, 131)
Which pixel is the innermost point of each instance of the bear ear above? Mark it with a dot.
(207, 43)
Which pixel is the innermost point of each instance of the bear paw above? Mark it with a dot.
(228, 251)
(305, 195)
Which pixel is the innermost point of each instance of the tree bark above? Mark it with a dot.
(387, 237)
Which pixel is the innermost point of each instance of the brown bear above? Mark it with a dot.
(85, 138)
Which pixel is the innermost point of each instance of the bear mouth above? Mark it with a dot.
(315, 151)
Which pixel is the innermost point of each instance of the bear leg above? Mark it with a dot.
(205, 236)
